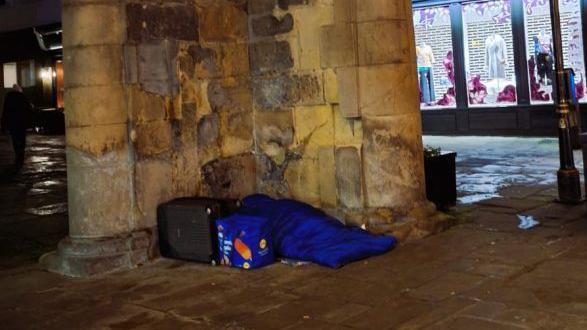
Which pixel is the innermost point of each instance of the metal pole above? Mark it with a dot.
(569, 181)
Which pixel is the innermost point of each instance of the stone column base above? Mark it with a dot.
(420, 221)
(82, 258)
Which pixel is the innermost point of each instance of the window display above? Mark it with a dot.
(434, 42)
(539, 47)
(485, 60)
(425, 62)
(489, 53)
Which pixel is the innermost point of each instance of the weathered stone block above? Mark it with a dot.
(284, 91)
(157, 67)
(284, 4)
(201, 95)
(223, 22)
(185, 174)
(303, 180)
(345, 11)
(393, 161)
(152, 187)
(348, 82)
(384, 42)
(100, 105)
(172, 20)
(270, 25)
(308, 20)
(261, 6)
(230, 94)
(266, 184)
(145, 106)
(330, 86)
(338, 45)
(152, 139)
(327, 169)
(233, 59)
(271, 56)
(314, 127)
(349, 177)
(221, 59)
(185, 129)
(233, 177)
(347, 132)
(208, 131)
(274, 134)
(370, 10)
(98, 140)
(99, 24)
(99, 188)
(398, 95)
(204, 60)
(187, 89)
(185, 59)
(93, 65)
(236, 133)
(131, 64)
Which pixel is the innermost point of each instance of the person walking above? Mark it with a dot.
(16, 120)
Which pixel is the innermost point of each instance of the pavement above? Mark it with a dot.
(487, 164)
(33, 203)
(484, 273)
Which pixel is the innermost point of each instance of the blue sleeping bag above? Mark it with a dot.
(301, 232)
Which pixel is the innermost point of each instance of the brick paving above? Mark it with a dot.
(484, 274)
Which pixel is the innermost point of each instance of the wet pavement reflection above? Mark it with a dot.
(33, 202)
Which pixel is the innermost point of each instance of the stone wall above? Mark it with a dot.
(336, 113)
(315, 100)
(308, 99)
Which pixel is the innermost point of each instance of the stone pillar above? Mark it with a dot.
(102, 235)
(371, 47)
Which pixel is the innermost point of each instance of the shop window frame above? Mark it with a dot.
(519, 48)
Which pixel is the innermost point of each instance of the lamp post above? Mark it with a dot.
(569, 181)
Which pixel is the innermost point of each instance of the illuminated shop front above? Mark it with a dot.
(486, 67)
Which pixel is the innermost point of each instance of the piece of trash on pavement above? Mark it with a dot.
(293, 263)
(527, 222)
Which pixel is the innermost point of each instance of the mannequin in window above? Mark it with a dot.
(425, 55)
(544, 58)
(425, 62)
(495, 56)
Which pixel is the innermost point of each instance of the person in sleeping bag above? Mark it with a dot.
(304, 233)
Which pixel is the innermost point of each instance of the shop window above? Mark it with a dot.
(489, 53)
(435, 58)
(539, 47)
(10, 75)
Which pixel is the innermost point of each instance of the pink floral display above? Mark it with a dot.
(449, 97)
(580, 88)
(449, 65)
(477, 90)
(507, 95)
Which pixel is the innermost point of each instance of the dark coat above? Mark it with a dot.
(17, 113)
